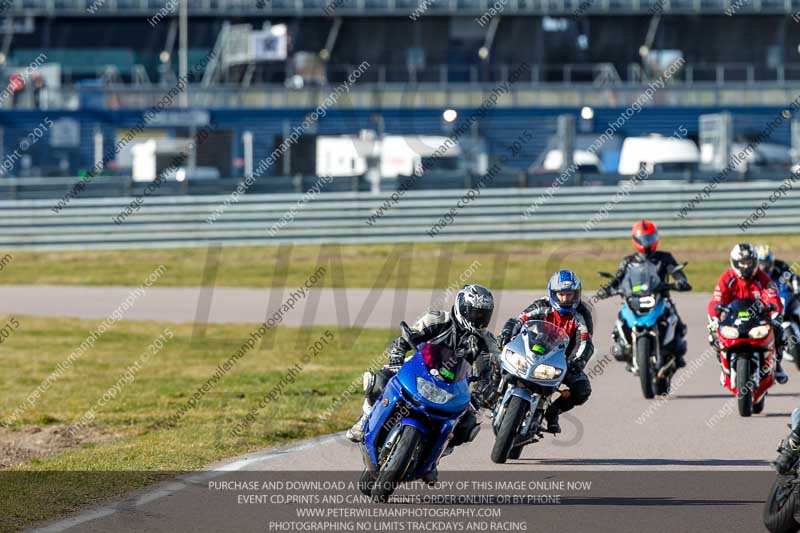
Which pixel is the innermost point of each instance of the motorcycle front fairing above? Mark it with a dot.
(522, 349)
(761, 350)
(401, 403)
(647, 320)
(644, 304)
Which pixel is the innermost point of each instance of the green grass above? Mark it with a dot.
(501, 265)
(135, 450)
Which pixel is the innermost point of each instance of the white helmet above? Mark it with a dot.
(743, 260)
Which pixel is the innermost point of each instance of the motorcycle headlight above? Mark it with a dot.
(758, 332)
(432, 393)
(546, 372)
(729, 332)
(519, 362)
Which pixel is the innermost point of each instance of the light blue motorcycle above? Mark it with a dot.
(533, 365)
(651, 329)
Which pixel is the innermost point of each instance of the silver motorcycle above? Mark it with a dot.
(533, 365)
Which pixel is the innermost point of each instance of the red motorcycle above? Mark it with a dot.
(747, 352)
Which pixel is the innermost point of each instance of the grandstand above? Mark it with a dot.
(256, 68)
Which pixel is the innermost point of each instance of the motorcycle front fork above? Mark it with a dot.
(635, 337)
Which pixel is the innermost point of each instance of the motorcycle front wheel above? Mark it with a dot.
(515, 452)
(744, 392)
(509, 427)
(645, 368)
(780, 509)
(396, 466)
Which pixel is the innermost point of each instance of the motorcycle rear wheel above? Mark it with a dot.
(645, 368)
(744, 394)
(396, 466)
(780, 509)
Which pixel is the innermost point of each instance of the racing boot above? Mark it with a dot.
(551, 416)
(788, 453)
(356, 433)
(431, 477)
(780, 375)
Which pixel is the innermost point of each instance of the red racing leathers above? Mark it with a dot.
(731, 287)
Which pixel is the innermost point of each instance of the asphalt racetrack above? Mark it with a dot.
(685, 464)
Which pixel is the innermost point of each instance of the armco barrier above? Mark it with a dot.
(181, 221)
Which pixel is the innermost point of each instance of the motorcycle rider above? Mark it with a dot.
(464, 330)
(745, 280)
(778, 270)
(781, 272)
(564, 308)
(645, 239)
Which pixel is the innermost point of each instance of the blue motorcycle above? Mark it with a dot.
(412, 421)
(790, 321)
(651, 332)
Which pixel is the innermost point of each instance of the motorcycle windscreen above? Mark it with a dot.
(638, 285)
(544, 337)
(441, 361)
(743, 315)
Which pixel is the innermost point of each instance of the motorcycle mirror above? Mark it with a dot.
(719, 308)
(605, 274)
(796, 418)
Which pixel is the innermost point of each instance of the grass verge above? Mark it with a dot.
(138, 449)
(499, 265)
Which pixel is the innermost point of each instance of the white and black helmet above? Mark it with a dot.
(743, 260)
(473, 308)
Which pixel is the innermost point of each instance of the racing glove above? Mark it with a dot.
(511, 328)
(396, 358)
(468, 348)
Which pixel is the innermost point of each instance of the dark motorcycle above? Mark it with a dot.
(782, 508)
(652, 331)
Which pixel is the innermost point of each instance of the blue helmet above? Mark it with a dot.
(564, 280)
(765, 257)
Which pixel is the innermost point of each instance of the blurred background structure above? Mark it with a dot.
(256, 68)
(119, 98)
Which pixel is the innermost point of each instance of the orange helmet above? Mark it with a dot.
(644, 236)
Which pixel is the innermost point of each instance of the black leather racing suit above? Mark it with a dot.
(664, 262)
